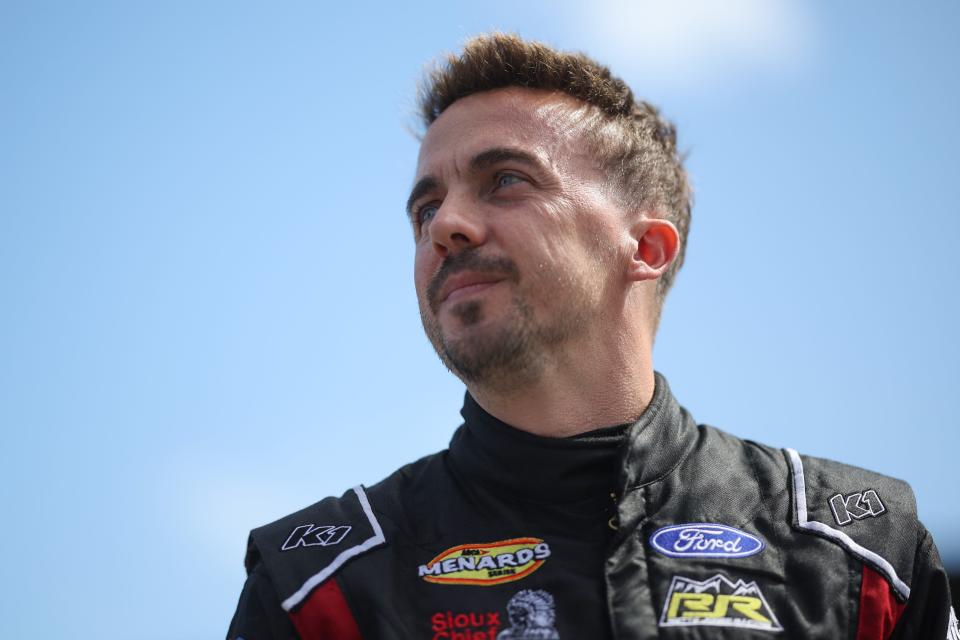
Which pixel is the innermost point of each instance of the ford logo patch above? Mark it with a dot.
(705, 540)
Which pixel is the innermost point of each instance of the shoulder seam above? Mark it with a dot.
(872, 558)
(376, 539)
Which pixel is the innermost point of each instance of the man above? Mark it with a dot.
(579, 499)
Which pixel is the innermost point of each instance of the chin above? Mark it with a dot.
(466, 315)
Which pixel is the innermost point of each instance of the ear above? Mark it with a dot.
(657, 243)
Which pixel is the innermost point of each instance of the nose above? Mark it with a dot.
(457, 225)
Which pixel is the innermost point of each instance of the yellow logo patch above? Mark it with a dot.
(717, 602)
(487, 564)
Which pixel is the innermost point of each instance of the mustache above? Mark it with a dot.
(468, 260)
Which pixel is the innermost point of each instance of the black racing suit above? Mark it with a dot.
(656, 529)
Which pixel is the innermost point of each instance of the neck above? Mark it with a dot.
(604, 380)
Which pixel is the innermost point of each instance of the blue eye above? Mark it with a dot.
(425, 213)
(506, 179)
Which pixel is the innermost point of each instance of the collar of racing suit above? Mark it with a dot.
(569, 470)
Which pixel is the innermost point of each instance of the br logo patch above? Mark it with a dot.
(717, 602)
(856, 506)
(705, 540)
(487, 564)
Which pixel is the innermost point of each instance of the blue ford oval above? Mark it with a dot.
(705, 540)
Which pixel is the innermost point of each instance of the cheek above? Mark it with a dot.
(602, 240)
(423, 269)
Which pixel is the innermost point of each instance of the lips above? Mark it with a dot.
(468, 268)
(466, 282)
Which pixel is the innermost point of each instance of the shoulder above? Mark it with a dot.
(871, 515)
(304, 549)
(820, 510)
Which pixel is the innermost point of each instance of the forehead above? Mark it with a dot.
(541, 122)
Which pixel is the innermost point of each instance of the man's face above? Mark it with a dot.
(518, 249)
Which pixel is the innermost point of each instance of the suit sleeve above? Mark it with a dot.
(259, 615)
(929, 612)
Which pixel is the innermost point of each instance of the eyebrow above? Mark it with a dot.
(483, 160)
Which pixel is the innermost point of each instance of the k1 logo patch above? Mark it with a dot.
(488, 563)
(705, 540)
(316, 535)
(856, 506)
(717, 602)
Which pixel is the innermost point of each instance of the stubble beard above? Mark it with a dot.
(512, 353)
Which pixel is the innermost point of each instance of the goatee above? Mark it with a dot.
(508, 354)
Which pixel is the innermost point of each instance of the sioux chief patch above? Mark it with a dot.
(487, 564)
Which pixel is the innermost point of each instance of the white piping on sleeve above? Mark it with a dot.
(841, 538)
(345, 555)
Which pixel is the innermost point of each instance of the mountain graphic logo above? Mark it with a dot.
(718, 602)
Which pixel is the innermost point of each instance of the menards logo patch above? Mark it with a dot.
(488, 563)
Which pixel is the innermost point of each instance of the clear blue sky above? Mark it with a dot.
(206, 274)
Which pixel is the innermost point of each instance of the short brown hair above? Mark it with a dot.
(636, 146)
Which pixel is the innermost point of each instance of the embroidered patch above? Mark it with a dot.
(705, 540)
(475, 625)
(717, 602)
(532, 616)
(856, 506)
(487, 564)
(316, 535)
